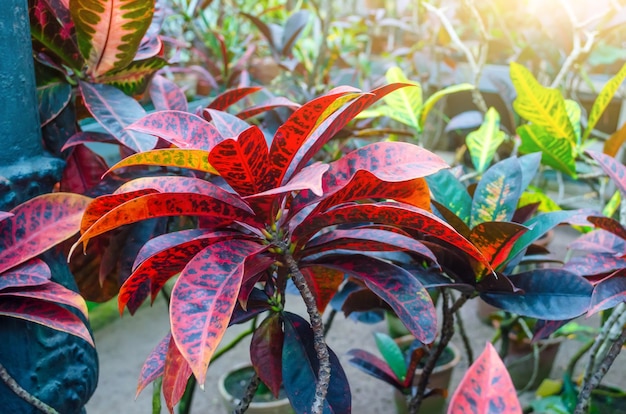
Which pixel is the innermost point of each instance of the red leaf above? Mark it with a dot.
(175, 376)
(399, 288)
(495, 239)
(367, 240)
(35, 272)
(50, 292)
(324, 283)
(614, 169)
(165, 95)
(608, 224)
(399, 215)
(335, 122)
(203, 300)
(388, 161)
(267, 105)
(365, 185)
(242, 162)
(231, 97)
(310, 178)
(228, 125)
(87, 137)
(486, 388)
(152, 273)
(291, 135)
(266, 352)
(103, 204)
(599, 241)
(181, 129)
(254, 270)
(39, 224)
(83, 170)
(172, 184)
(154, 365)
(163, 205)
(115, 110)
(45, 313)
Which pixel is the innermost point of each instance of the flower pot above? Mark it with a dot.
(232, 385)
(520, 361)
(440, 378)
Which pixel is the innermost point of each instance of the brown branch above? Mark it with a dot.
(321, 349)
(23, 394)
(249, 395)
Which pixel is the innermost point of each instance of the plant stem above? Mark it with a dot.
(156, 395)
(321, 349)
(466, 342)
(569, 371)
(249, 395)
(447, 330)
(23, 394)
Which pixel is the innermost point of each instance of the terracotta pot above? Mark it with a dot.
(520, 361)
(440, 378)
(226, 386)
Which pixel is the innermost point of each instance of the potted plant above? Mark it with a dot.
(401, 367)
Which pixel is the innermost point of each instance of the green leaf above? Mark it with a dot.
(540, 105)
(546, 203)
(109, 31)
(573, 113)
(404, 103)
(392, 354)
(556, 152)
(497, 193)
(451, 193)
(434, 98)
(603, 100)
(133, 78)
(484, 142)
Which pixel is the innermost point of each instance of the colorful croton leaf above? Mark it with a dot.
(276, 216)
(26, 291)
(486, 388)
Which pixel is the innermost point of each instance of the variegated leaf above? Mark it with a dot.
(172, 157)
(484, 142)
(604, 98)
(39, 224)
(574, 113)
(613, 168)
(544, 107)
(53, 32)
(154, 365)
(109, 31)
(555, 152)
(35, 272)
(435, 97)
(133, 79)
(405, 103)
(166, 95)
(175, 376)
(203, 300)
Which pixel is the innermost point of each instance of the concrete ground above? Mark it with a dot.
(124, 344)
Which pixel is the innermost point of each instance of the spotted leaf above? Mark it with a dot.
(399, 288)
(228, 125)
(182, 129)
(609, 224)
(37, 225)
(166, 95)
(398, 215)
(103, 204)
(203, 300)
(367, 240)
(162, 205)
(35, 272)
(291, 135)
(230, 97)
(45, 313)
(115, 110)
(242, 162)
(334, 122)
(486, 388)
(154, 365)
(52, 31)
(171, 157)
(599, 241)
(50, 292)
(109, 31)
(544, 107)
(497, 193)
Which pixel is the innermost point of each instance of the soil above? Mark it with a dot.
(124, 345)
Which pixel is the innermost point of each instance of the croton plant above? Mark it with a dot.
(271, 216)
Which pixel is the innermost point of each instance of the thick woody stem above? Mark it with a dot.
(321, 349)
(23, 394)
